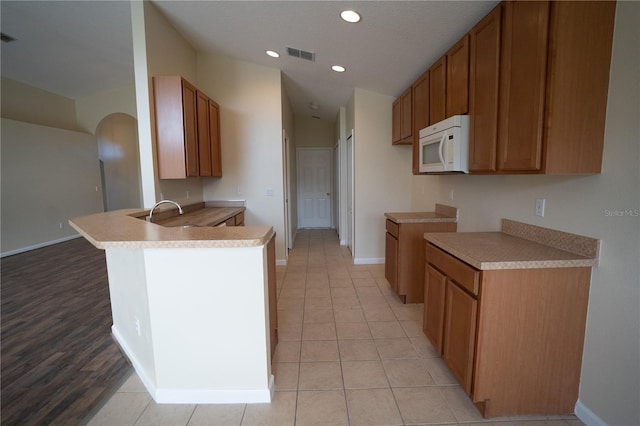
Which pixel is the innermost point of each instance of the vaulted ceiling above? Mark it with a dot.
(76, 48)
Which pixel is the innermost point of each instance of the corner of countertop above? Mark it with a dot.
(445, 210)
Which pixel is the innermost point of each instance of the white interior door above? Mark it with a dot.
(350, 192)
(287, 192)
(314, 187)
(336, 187)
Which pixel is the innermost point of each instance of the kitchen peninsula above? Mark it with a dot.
(193, 306)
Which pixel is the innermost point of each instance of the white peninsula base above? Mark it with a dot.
(194, 321)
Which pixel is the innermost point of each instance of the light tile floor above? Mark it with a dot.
(350, 353)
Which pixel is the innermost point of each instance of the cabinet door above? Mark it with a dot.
(406, 117)
(437, 91)
(434, 301)
(484, 91)
(190, 128)
(458, 78)
(214, 131)
(579, 62)
(204, 134)
(391, 261)
(420, 115)
(460, 333)
(395, 123)
(523, 75)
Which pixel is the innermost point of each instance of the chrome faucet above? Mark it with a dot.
(162, 202)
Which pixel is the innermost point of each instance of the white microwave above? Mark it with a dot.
(444, 147)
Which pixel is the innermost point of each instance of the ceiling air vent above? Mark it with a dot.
(302, 54)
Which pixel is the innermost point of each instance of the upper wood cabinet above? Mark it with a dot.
(187, 130)
(534, 78)
(438, 91)
(208, 136)
(578, 85)
(553, 79)
(457, 92)
(525, 39)
(402, 125)
(483, 91)
(395, 123)
(420, 114)
(176, 129)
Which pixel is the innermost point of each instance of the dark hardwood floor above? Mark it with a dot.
(58, 360)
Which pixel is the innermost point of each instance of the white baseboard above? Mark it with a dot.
(215, 396)
(368, 261)
(148, 384)
(40, 245)
(587, 416)
(195, 396)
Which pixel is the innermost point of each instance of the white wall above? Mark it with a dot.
(159, 50)
(382, 175)
(584, 205)
(22, 102)
(250, 102)
(90, 110)
(313, 132)
(117, 136)
(49, 176)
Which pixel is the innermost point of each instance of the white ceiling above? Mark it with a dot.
(76, 48)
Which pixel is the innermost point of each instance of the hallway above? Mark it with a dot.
(349, 353)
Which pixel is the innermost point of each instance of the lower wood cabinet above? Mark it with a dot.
(513, 338)
(404, 251)
(459, 340)
(237, 220)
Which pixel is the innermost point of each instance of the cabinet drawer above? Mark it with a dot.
(393, 228)
(463, 274)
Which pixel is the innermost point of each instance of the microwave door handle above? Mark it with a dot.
(442, 147)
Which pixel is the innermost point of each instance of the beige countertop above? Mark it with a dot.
(518, 246)
(128, 229)
(442, 213)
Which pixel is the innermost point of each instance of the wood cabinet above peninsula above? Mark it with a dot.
(187, 130)
(507, 312)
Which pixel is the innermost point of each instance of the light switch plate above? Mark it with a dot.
(540, 202)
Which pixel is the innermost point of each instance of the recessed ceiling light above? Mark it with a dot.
(273, 53)
(350, 16)
(338, 68)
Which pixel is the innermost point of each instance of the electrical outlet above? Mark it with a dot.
(187, 195)
(269, 192)
(451, 194)
(238, 191)
(540, 207)
(61, 225)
